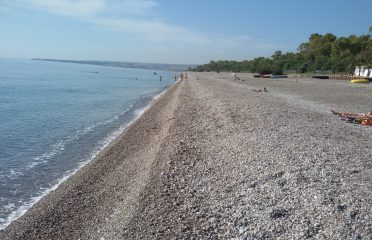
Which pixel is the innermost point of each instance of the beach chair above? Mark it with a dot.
(363, 71)
(357, 71)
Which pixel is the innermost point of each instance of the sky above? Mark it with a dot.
(171, 31)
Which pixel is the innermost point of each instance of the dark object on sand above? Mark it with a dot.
(266, 76)
(257, 75)
(278, 213)
(279, 76)
(259, 90)
(321, 77)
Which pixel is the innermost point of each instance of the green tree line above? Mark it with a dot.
(321, 53)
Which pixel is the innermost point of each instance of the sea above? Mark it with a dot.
(55, 117)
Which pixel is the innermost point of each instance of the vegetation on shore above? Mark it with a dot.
(321, 53)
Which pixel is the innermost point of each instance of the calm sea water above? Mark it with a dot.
(55, 117)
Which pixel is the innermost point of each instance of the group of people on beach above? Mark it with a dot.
(183, 75)
(236, 77)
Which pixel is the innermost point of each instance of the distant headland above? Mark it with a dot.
(152, 66)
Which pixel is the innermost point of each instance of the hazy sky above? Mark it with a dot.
(171, 31)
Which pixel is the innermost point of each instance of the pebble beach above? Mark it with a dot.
(212, 159)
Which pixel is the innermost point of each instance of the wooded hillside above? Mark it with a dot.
(321, 53)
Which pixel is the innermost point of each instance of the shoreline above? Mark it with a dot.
(212, 159)
(109, 140)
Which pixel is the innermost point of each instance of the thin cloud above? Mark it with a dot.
(136, 6)
(86, 8)
(153, 30)
(109, 15)
(135, 18)
(77, 8)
